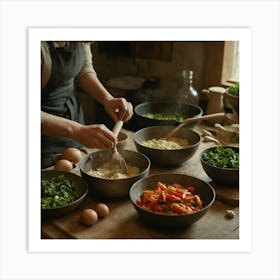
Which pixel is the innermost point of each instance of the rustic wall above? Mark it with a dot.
(184, 55)
(164, 60)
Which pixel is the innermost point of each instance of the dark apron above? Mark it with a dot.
(59, 97)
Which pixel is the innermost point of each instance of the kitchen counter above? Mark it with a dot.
(123, 222)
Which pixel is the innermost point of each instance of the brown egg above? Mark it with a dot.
(72, 154)
(102, 209)
(88, 217)
(63, 164)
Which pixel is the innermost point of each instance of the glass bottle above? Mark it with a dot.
(187, 93)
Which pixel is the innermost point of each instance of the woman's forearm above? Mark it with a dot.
(117, 108)
(57, 126)
(92, 86)
(90, 136)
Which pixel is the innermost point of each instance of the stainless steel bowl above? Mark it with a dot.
(170, 158)
(185, 109)
(113, 188)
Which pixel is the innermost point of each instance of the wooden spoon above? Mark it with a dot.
(189, 120)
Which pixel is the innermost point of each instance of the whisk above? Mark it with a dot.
(118, 163)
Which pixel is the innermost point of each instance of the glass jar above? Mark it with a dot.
(187, 93)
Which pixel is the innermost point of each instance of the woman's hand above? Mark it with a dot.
(91, 136)
(119, 109)
(95, 136)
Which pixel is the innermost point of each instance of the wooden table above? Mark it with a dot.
(123, 222)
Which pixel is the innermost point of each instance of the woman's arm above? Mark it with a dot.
(91, 136)
(90, 83)
(87, 80)
(57, 126)
(117, 108)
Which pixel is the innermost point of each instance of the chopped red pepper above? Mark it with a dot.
(170, 199)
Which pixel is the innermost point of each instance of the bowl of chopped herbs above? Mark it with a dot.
(221, 164)
(232, 96)
(61, 192)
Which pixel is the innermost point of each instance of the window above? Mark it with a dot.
(221, 64)
(235, 70)
(230, 72)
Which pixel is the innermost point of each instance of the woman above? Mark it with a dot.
(66, 66)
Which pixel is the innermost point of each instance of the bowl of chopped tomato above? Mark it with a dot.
(171, 200)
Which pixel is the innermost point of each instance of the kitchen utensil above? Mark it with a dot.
(118, 163)
(189, 120)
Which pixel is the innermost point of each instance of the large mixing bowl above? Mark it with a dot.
(203, 189)
(169, 110)
(113, 188)
(166, 158)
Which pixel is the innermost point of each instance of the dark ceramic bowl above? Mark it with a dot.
(185, 109)
(233, 100)
(166, 158)
(203, 189)
(122, 140)
(224, 176)
(76, 181)
(113, 188)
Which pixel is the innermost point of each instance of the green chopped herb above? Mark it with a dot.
(193, 203)
(57, 192)
(166, 116)
(234, 89)
(223, 157)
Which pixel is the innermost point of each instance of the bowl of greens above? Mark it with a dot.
(61, 192)
(221, 164)
(165, 113)
(232, 96)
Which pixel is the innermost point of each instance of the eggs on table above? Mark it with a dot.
(67, 159)
(89, 217)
